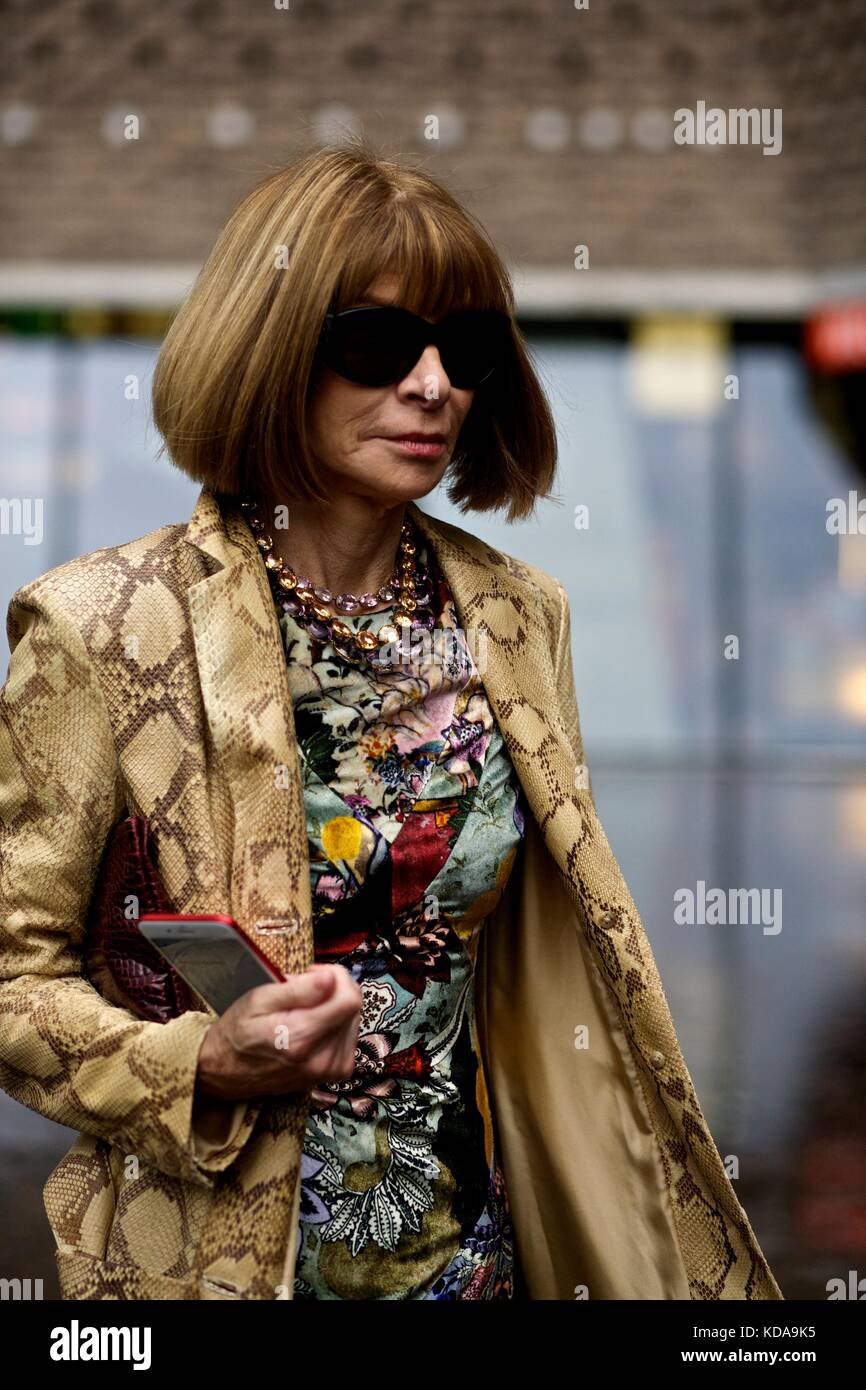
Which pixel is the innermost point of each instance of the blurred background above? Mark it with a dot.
(697, 313)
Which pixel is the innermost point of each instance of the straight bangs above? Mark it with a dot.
(439, 257)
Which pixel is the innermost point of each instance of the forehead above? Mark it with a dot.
(385, 289)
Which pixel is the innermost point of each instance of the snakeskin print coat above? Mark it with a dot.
(150, 677)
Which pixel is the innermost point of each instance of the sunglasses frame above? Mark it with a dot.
(425, 334)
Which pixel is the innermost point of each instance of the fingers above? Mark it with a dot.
(295, 992)
(316, 1023)
(337, 1051)
(324, 1038)
(315, 1013)
(314, 1060)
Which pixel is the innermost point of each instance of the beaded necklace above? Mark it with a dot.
(316, 609)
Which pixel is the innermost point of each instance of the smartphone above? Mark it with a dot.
(211, 953)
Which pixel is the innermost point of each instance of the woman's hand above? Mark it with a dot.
(283, 1037)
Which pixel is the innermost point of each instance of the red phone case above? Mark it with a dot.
(216, 917)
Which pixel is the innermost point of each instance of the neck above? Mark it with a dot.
(349, 546)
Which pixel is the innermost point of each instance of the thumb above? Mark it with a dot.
(319, 978)
(300, 991)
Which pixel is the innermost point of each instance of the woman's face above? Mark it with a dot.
(354, 428)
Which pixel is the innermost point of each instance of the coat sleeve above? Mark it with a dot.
(64, 1050)
(565, 688)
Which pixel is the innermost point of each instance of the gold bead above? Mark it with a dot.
(408, 547)
(401, 617)
(287, 579)
(407, 602)
(388, 633)
(367, 641)
(305, 595)
(341, 630)
(273, 562)
(322, 612)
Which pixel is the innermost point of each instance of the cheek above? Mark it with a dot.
(319, 407)
(462, 401)
(336, 411)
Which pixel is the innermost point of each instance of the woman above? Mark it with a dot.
(354, 730)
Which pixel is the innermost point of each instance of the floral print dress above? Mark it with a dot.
(414, 818)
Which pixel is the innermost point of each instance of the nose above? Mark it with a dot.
(427, 378)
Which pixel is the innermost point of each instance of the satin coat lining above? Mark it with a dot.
(583, 1170)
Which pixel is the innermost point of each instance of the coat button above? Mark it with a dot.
(657, 1059)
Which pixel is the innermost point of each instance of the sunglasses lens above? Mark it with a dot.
(472, 345)
(372, 348)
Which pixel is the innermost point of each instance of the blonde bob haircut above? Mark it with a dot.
(235, 372)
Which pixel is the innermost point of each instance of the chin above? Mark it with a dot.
(410, 484)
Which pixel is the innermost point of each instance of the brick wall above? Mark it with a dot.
(556, 123)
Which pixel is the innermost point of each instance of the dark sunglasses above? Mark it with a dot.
(378, 344)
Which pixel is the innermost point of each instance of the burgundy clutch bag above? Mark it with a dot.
(122, 964)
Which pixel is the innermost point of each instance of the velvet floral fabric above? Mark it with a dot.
(414, 817)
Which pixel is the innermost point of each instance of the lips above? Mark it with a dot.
(418, 445)
(416, 437)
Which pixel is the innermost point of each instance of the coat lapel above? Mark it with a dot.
(248, 707)
(495, 595)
